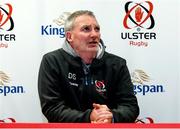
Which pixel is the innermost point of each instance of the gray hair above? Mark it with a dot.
(69, 23)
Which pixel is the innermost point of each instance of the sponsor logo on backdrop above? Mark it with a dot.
(4, 78)
(6, 25)
(8, 120)
(145, 120)
(143, 85)
(138, 23)
(6, 89)
(57, 28)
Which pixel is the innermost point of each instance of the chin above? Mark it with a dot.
(92, 49)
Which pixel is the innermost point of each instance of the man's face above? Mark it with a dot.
(85, 35)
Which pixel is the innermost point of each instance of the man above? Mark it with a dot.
(81, 82)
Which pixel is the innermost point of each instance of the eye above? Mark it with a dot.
(97, 29)
(86, 29)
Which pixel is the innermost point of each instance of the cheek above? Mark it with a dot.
(82, 41)
(83, 37)
(79, 37)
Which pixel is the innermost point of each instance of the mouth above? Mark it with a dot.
(93, 42)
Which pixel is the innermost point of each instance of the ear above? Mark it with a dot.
(68, 36)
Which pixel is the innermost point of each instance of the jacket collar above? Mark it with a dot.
(67, 48)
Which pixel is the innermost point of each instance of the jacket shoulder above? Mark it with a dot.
(112, 58)
(52, 57)
(53, 53)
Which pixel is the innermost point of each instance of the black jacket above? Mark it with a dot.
(67, 93)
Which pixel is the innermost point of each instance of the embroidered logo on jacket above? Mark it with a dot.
(100, 86)
(72, 79)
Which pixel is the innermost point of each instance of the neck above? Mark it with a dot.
(88, 57)
(87, 61)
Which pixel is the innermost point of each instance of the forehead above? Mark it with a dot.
(85, 20)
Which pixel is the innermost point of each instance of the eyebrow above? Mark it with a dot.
(89, 26)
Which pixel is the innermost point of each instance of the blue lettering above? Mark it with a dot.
(144, 89)
(49, 30)
(6, 90)
(11, 89)
(1, 90)
(61, 32)
(160, 88)
(43, 30)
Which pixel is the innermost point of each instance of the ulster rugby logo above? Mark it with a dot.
(138, 22)
(5, 17)
(145, 120)
(100, 86)
(137, 14)
(6, 25)
(8, 120)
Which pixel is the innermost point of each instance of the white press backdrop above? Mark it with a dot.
(157, 59)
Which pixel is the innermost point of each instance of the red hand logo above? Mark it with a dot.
(138, 14)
